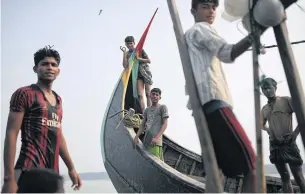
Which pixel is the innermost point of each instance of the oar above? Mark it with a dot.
(213, 184)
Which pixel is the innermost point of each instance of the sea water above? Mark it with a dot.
(92, 186)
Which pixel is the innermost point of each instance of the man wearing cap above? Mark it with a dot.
(283, 148)
(233, 149)
(144, 73)
(154, 122)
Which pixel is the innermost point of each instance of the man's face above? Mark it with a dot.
(155, 97)
(205, 12)
(47, 69)
(268, 90)
(130, 45)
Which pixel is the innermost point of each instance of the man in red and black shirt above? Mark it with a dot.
(36, 110)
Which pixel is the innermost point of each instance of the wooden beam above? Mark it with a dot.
(292, 75)
(214, 183)
(260, 175)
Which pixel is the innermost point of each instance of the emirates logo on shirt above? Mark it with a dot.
(52, 123)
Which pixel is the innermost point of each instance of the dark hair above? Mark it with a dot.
(268, 81)
(46, 52)
(39, 180)
(129, 39)
(156, 90)
(196, 2)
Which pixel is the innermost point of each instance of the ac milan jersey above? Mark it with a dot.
(40, 130)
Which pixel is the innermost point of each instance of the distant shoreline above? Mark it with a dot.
(270, 170)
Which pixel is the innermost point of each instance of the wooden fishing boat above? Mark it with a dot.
(132, 168)
(136, 170)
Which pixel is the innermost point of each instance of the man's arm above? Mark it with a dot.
(12, 130)
(142, 126)
(125, 61)
(165, 116)
(296, 131)
(204, 37)
(144, 58)
(18, 104)
(64, 153)
(263, 122)
(240, 47)
(163, 127)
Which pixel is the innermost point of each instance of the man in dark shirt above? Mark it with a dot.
(36, 110)
(144, 73)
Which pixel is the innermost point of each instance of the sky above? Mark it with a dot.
(92, 63)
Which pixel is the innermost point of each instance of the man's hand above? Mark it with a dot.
(137, 55)
(76, 181)
(123, 49)
(136, 140)
(267, 129)
(291, 138)
(9, 186)
(155, 140)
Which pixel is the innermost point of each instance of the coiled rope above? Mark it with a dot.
(130, 119)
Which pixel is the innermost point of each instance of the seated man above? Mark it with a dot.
(155, 123)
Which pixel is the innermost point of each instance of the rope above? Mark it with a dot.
(272, 46)
(129, 119)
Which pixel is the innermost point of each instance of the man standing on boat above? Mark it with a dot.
(233, 149)
(155, 122)
(283, 148)
(36, 110)
(144, 73)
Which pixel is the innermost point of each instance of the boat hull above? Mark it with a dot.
(133, 169)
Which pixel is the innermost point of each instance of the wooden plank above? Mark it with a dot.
(164, 149)
(260, 175)
(292, 75)
(214, 184)
(178, 161)
(192, 168)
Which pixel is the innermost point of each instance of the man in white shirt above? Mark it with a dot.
(233, 149)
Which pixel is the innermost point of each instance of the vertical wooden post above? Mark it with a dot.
(292, 75)
(260, 175)
(214, 183)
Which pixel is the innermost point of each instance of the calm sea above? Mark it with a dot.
(100, 186)
(92, 186)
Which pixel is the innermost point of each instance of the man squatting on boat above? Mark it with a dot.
(144, 73)
(283, 148)
(36, 111)
(154, 123)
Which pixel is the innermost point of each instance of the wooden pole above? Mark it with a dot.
(292, 75)
(214, 183)
(260, 175)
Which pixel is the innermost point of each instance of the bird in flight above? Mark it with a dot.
(100, 12)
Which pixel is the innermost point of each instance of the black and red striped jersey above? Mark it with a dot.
(40, 130)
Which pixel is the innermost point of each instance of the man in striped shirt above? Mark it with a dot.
(233, 149)
(36, 111)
